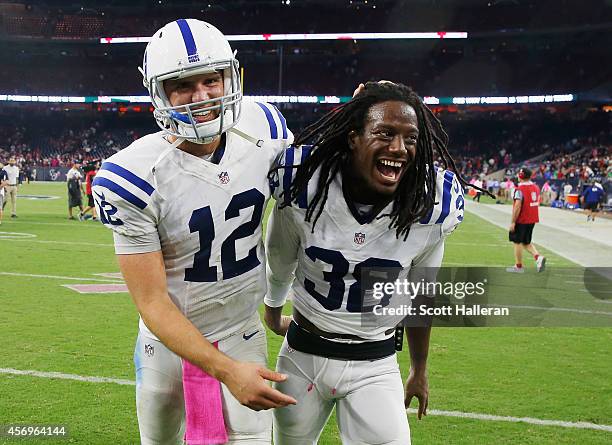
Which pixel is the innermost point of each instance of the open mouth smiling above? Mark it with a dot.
(390, 170)
(203, 115)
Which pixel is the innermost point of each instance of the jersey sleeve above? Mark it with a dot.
(449, 208)
(127, 245)
(124, 201)
(517, 194)
(282, 244)
(277, 124)
(284, 171)
(264, 124)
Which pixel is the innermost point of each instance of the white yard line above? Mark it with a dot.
(432, 412)
(116, 275)
(530, 420)
(70, 243)
(599, 284)
(450, 242)
(63, 376)
(446, 263)
(40, 223)
(554, 309)
(503, 266)
(562, 275)
(58, 277)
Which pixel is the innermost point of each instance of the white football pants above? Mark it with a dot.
(159, 391)
(368, 395)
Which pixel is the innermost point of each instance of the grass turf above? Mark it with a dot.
(549, 373)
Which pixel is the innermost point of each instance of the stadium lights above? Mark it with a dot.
(334, 36)
(512, 99)
(429, 100)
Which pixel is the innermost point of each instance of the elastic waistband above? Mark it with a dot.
(304, 341)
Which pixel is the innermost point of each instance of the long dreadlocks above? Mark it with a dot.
(330, 152)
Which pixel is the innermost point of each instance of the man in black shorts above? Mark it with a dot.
(73, 179)
(525, 214)
(591, 197)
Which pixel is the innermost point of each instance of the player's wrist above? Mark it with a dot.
(273, 317)
(224, 369)
(419, 368)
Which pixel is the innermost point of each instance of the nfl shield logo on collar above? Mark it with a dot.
(359, 238)
(224, 177)
(149, 350)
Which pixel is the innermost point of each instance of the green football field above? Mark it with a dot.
(557, 380)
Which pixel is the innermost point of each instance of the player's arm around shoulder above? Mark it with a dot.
(282, 244)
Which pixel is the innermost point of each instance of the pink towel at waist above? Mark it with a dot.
(204, 423)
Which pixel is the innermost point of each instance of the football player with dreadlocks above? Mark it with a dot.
(364, 194)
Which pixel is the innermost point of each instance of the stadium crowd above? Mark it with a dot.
(482, 143)
(54, 145)
(591, 161)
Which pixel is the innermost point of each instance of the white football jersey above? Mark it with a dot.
(324, 267)
(206, 214)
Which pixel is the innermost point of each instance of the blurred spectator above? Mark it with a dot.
(546, 194)
(90, 172)
(591, 199)
(12, 172)
(75, 199)
(3, 183)
(567, 189)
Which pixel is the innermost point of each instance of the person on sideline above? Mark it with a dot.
(12, 172)
(525, 215)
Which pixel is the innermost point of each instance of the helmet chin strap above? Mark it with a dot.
(248, 137)
(162, 155)
(179, 141)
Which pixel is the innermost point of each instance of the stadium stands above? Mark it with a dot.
(73, 20)
(557, 53)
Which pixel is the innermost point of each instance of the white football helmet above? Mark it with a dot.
(184, 48)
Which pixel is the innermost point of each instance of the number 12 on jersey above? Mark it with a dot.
(202, 222)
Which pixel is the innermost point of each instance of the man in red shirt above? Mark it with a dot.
(91, 170)
(526, 200)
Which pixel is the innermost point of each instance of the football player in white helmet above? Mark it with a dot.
(364, 195)
(185, 206)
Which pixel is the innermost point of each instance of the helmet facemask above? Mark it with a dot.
(179, 120)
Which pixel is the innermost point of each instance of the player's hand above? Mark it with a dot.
(417, 386)
(277, 322)
(283, 325)
(512, 227)
(247, 382)
(359, 89)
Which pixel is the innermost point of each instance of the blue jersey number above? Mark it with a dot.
(335, 278)
(106, 210)
(201, 221)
